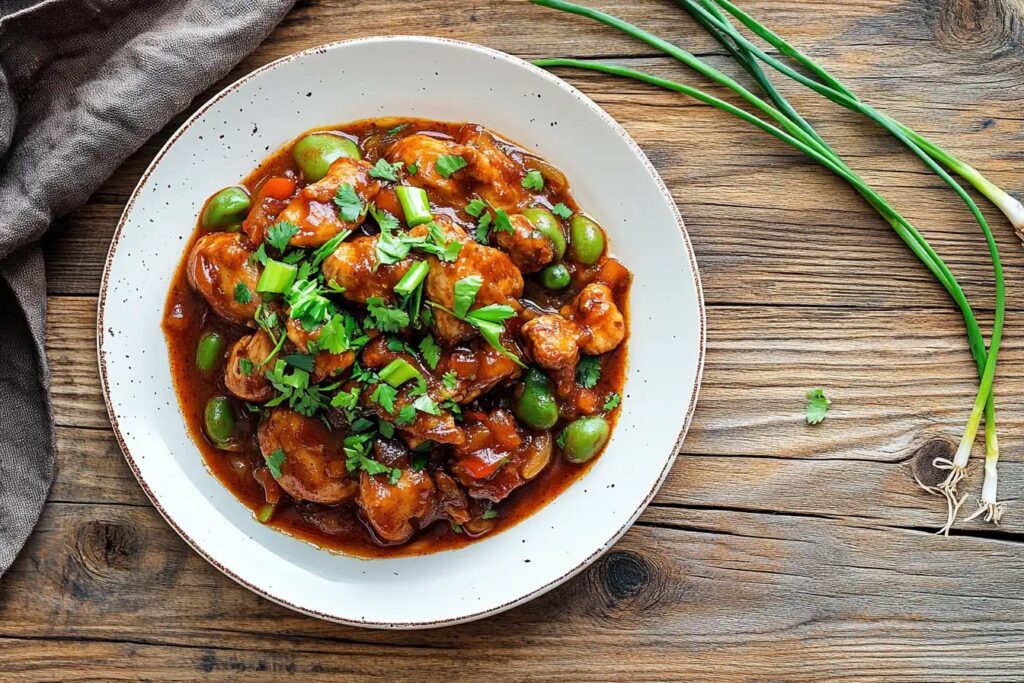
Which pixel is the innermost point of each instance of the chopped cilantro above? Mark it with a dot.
(334, 335)
(419, 461)
(431, 351)
(384, 396)
(406, 415)
(274, 462)
(384, 170)
(328, 247)
(465, 294)
(398, 129)
(385, 318)
(502, 222)
(303, 361)
(613, 401)
(425, 404)
(294, 387)
(561, 210)
(413, 169)
(491, 513)
(242, 293)
(350, 206)
(246, 366)
(533, 181)
(450, 380)
(307, 303)
(357, 454)
(588, 372)
(396, 474)
(817, 406)
(386, 429)
(483, 229)
(346, 400)
(280, 233)
(447, 164)
(561, 439)
(259, 256)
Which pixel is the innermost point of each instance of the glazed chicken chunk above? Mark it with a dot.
(312, 469)
(250, 386)
(423, 151)
(603, 325)
(219, 265)
(552, 342)
(528, 248)
(326, 364)
(353, 265)
(314, 210)
(391, 508)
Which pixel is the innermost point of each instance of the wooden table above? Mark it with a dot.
(775, 550)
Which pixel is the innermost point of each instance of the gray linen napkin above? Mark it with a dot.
(83, 83)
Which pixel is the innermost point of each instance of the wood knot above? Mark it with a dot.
(980, 26)
(106, 545)
(625, 573)
(923, 460)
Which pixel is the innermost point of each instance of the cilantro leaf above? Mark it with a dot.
(475, 208)
(384, 170)
(419, 461)
(350, 206)
(303, 361)
(334, 335)
(384, 396)
(246, 366)
(817, 406)
(280, 233)
(242, 293)
(502, 222)
(346, 400)
(396, 474)
(307, 303)
(450, 380)
(413, 169)
(386, 429)
(483, 229)
(431, 351)
(561, 439)
(275, 461)
(465, 294)
(406, 414)
(613, 401)
(425, 404)
(561, 210)
(398, 129)
(533, 181)
(328, 247)
(447, 164)
(492, 313)
(385, 219)
(385, 318)
(588, 372)
(357, 454)
(490, 514)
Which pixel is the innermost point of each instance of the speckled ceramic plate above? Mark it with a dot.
(437, 79)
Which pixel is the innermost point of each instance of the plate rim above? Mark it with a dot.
(493, 53)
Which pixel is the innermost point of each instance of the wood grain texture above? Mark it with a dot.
(775, 550)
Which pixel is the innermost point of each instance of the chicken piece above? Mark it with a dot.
(600, 319)
(254, 386)
(352, 266)
(314, 462)
(440, 428)
(498, 178)
(326, 364)
(496, 458)
(270, 199)
(502, 284)
(217, 265)
(314, 210)
(390, 508)
(479, 368)
(527, 246)
(552, 342)
(423, 151)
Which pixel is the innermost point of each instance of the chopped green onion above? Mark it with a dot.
(266, 512)
(412, 278)
(415, 205)
(276, 278)
(398, 372)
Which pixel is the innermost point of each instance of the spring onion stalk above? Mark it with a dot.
(415, 205)
(276, 278)
(921, 146)
(1011, 207)
(398, 372)
(412, 278)
(719, 27)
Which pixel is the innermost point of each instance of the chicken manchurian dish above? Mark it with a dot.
(397, 336)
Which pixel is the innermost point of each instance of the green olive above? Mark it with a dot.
(219, 420)
(555, 277)
(227, 208)
(534, 405)
(585, 438)
(209, 350)
(586, 240)
(315, 153)
(546, 224)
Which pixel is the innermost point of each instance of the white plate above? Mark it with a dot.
(436, 79)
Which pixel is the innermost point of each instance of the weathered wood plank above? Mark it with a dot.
(685, 593)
